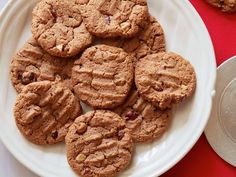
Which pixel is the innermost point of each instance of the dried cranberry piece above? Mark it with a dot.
(31, 77)
(27, 78)
(54, 134)
(131, 115)
(107, 19)
(120, 135)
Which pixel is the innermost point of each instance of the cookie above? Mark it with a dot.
(103, 76)
(58, 27)
(145, 121)
(164, 79)
(98, 144)
(113, 18)
(224, 5)
(32, 64)
(44, 111)
(150, 39)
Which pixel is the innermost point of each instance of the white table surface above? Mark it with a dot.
(9, 166)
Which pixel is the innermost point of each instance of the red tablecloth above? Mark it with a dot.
(202, 161)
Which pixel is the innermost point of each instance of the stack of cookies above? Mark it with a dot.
(110, 55)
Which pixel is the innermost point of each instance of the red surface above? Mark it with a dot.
(202, 161)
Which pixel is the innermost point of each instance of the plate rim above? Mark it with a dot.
(206, 113)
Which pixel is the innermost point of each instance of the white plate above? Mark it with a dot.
(185, 34)
(221, 128)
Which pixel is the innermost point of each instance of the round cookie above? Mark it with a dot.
(224, 5)
(32, 64)
(164, 78)
(58, 27)
(113, 18)
(103, 76)
(145, 121)
(44, 111)
(98, 144)
(150, 39)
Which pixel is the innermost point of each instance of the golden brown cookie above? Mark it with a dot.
(145, 121)
(98, 144)
(150, 39)
(112, 18)
(164, 79)
(44, 111)
(32, 64)
(58, 27)
(103, 76)
(224, 5)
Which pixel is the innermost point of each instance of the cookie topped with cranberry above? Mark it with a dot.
(44, 112)
(113, 18)
(99, 144)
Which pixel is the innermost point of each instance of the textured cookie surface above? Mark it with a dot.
(224, 5)
(44, 111)
(103, 75)
(111, 18)
(98, 144)
(150, 39)
(164, 78)
(145, 121)
(58, 27)
(32, 64)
